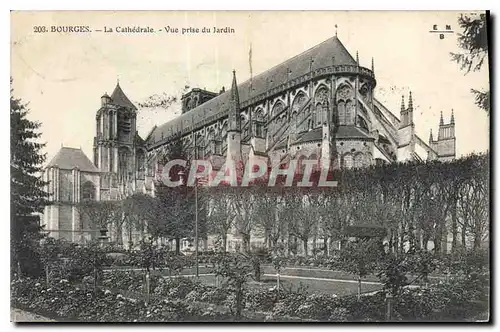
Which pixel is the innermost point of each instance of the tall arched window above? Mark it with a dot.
(344, 103)
(276, 125)
(342, 113)
(349, 113)
(123, 161)
(298, 103)
(321, 102)
(258, 119)
(111, 126)
(88, 191)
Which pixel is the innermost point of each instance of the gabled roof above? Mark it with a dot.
(119, 98)
(322, 54)
(70, 158)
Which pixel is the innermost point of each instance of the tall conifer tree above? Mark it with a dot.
(27, 186)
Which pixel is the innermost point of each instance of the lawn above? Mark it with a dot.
(312, 284)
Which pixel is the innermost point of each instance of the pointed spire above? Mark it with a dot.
(410, 103)
(357, 58)
(234, 106)
(431, 139)
(336, 30)
(441, 121)
(373, 66)
(452, 120)
(402, 103)
(234, 89)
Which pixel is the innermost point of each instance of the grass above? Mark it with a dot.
(334, 286)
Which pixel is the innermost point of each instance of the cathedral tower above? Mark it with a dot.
(406, 131)
(445, 145)
(115, 143)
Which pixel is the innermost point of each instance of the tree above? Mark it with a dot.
(302, 217)
(148, 257)
(360, 258)
(136, 210)
(243, 202)
(266, 221)
(221, 216)
(100, 214)
(27, 187)
(49, 253)
(235, 271)
(474, 42)
(176, 205)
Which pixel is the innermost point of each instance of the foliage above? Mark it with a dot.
(360, 258)
(149, 256)
(474, 42)
(65, 302)
(27, 187)
(235, 271)
(99, 213)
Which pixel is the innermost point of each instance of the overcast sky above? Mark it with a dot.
(63, 75)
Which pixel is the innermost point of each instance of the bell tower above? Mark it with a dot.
(114, 150)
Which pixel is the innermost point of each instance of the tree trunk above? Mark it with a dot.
(257, 271)
(224, 242)
(119, 235)
(425, 241)
(325, 243)
(246, 242)
(418, 237)
(47, 279)
(454, 228)
(130, 243)
(438, 238)
(147, 288)
(464, 238)
(177, 246)
(477, 240)
(306, 251)
(359, 288)
(95, 282)
(239, 296)
(287, 244)
(395, 242)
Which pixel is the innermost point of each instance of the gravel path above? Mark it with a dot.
(20, 316)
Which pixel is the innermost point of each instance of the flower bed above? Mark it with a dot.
(65, 302)
(184, 299)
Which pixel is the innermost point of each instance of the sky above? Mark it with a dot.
(63, 75)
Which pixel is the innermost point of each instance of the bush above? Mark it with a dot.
(261, 300)
(65, 302)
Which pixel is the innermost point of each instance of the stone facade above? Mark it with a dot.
(318, 105)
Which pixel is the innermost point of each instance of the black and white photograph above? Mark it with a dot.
(250, 166)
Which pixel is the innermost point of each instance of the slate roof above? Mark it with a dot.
(299, 65)
(312, 135)
(351, 132)
(70, 158)
(119, 98)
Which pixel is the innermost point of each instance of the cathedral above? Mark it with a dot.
(318, 105)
